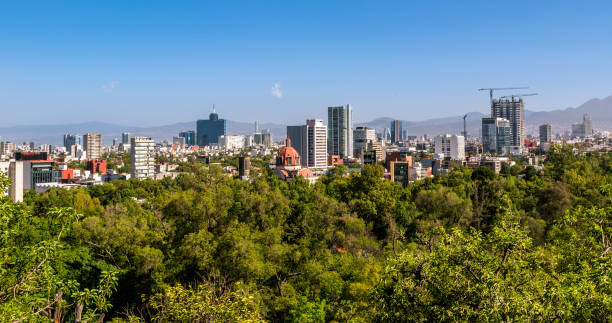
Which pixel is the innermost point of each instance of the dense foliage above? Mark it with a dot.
(524, 245)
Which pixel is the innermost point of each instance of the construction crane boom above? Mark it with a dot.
(517, 95)
(491, 89)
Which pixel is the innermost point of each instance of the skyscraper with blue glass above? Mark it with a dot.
(208, 131)
(72, 139)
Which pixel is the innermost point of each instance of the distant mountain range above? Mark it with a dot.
(561, 120)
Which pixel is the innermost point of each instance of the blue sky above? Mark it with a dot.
(154, 63)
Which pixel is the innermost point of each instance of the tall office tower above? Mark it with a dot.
(396, 131)
(387, 134)
(72, 139)
(210, 130)
(92, 143)
(298, 136)
(362, 136)
(143, 157)
(256, 127)
(545, 133)
(452, 146)
(317, 143)
(310, 142)
(125, 138)
(495, 135)
(190, 137)
(588, 125)
(115, 142)
(340, 131)
(511, 110)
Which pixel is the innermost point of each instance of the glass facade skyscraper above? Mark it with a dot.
(209, 131)
(190, 137)
(396, 131)
(72, 139)
(495, 135)
(340, 131)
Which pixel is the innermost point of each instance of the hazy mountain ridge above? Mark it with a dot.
(561, 120)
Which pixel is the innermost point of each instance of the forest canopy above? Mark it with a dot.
(522, 245)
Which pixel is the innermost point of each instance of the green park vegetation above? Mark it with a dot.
(523, 245)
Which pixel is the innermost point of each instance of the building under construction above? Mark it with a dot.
(513, 111)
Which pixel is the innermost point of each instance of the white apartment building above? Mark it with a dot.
(452, 146)
(362, 136)
(143, 157)
(317, 143)
(231, 142)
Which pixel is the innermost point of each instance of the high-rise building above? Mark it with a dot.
(310, 142)
(72, 139)
(396, 131)
(545, 133)
(210, 130)
(386, 134)
(298, 136)
(264, 138)
(125, 138)
(495, 135)
(317, 143)
(588, 125)
(584, 129)
(340, 131)
(92, 143)
(511, 110)
(451, 146)
(190, 137)
(143, 157)
(362, 136)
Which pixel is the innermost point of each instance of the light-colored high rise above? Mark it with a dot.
(317, 143)
(452, 146)
(92, 143)
(340, 131)
(588, 125)
(545, 133)
(513, 111)
(310, 142)
(362, 136)
(143, 157)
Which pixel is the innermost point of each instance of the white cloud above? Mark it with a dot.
(108, 88)
(276, 90)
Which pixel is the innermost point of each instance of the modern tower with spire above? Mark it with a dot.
(209, 131)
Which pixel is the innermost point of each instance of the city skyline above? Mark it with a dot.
(410, 62)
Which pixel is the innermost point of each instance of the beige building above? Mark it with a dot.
(92, 142)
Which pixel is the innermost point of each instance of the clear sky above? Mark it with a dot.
(154, 63)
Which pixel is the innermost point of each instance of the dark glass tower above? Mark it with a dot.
(208, 131)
